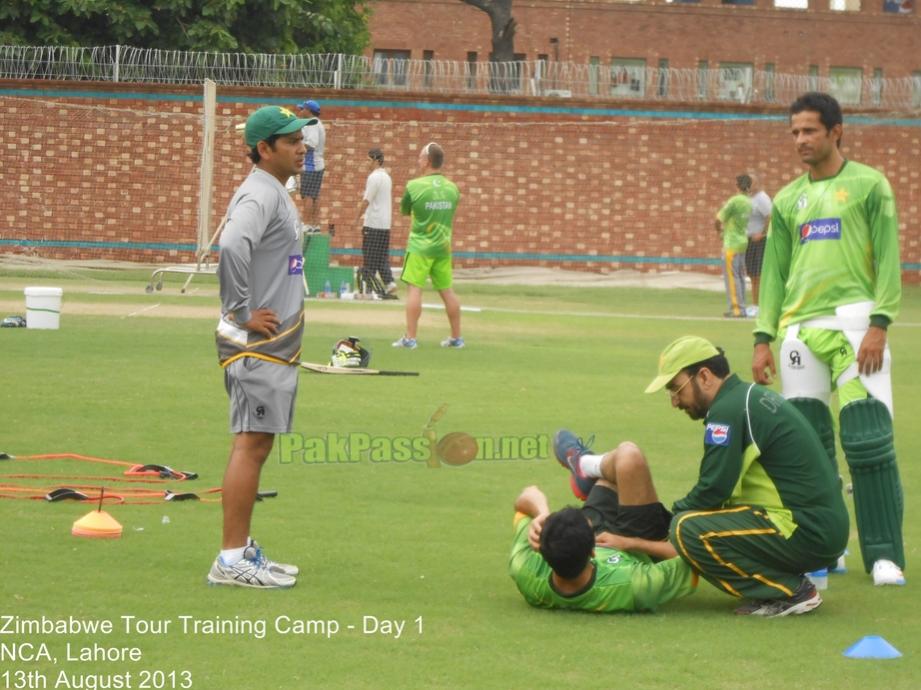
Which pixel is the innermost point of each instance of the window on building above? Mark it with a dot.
(594, 75)
(768, 90)
(471, 69)
(899, 6)
(389, 67)
(792, 4)
(844, 5)
(540, 74)
(735, 81)
(916, 89)
(844, 84)
(738, 2)
(703, 80)
(628, 77)
(662, 79)
(876, 86)
(428, 73)
(813, 77)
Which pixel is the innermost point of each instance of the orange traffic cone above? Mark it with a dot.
(98, 524)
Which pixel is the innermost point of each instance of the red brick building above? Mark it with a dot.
(848, 46)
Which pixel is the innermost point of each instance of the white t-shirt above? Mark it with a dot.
(315, 139)
(379, 195)
(761, 213)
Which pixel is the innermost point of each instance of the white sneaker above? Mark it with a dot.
(886, 572)
(453, 342)
(391, 287)
(275, 566)
(250, 571)
(407, 343)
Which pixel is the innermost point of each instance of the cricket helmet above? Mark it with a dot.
(348, 352)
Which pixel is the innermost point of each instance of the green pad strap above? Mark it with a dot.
(819, 417)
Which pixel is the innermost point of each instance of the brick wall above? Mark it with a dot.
(112, 172)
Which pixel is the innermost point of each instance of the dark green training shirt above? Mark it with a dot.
(760, 451)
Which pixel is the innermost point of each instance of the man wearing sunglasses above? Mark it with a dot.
(767, 506)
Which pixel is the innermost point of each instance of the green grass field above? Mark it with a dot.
(394, 540)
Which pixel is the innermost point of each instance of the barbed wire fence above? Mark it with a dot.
(617, 81)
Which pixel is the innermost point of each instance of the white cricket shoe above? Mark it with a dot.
(406, 343)
(275, 566)
(250, 571)
(885, 572)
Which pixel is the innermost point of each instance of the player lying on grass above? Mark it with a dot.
(767, 506)
(610, 555)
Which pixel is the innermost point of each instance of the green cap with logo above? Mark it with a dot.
(271, 120)
(687, 350)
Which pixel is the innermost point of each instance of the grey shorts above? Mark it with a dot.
(262, 395)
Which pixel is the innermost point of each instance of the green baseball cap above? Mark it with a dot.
(271, 120)
(687, 350)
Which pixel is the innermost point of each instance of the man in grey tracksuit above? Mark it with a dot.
(259, 334)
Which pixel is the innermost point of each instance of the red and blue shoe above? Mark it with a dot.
(568, 449)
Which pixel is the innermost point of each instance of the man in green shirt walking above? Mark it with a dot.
(431, 200)
(831, 285)
(732, 222)
(767, 506)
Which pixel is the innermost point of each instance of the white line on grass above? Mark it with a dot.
(582, 314)
(619, 315)
(141, 311)
(441, 306)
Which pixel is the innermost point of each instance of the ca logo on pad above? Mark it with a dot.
(717, 435)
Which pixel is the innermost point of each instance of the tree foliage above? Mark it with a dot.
(249, 26)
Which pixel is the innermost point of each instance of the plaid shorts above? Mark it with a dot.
(754, 257)
(311, 183)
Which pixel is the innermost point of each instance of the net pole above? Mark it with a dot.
(206, 177)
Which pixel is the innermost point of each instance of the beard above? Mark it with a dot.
(697, 408)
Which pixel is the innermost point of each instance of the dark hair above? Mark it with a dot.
(744, 182)
(566, 542)
(436, 155)
(718, 364)
(376, 155)
(826, 106)
(254, 151)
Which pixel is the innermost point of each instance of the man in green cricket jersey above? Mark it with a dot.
(732, 223)
(612, 555)
(767, 506)
(431, 200)
(831, 285)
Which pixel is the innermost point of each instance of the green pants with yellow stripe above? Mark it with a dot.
(740, 551)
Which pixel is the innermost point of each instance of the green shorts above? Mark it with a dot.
(416, 269)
